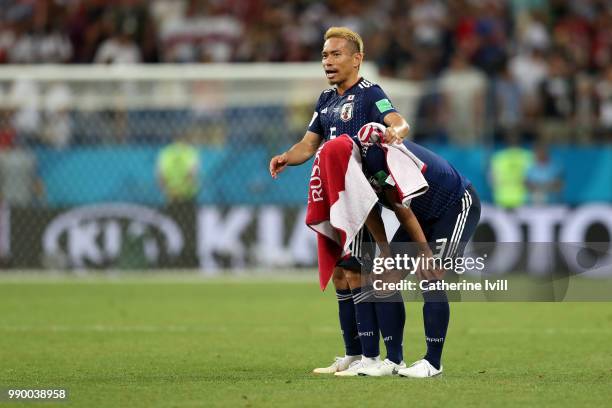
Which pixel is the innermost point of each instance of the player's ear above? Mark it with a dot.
(357, 59)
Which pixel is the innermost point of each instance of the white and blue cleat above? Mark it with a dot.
(339, 364)
(420, 369)
(382, 369)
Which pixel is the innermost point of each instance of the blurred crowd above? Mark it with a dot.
(533, 59)
(536, 68)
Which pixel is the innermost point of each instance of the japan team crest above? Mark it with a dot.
(346, 112)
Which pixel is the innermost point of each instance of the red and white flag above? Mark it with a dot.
(339, 201)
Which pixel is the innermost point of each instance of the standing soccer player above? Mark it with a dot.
(345, 108)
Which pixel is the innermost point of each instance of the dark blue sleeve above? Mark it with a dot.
(380, 104)
(315, 123)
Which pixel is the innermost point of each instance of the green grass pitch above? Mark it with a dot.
(164, 343)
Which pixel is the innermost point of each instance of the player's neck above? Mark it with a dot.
(348, 84)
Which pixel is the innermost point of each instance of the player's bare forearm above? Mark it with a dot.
(412, 226)
(410, 223)
(298, 154)
(301, 152)
(376, 227)
(397, 128)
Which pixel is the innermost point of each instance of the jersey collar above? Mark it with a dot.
(349, 89)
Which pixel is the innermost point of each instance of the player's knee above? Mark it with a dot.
(339, 280)
(353, 278)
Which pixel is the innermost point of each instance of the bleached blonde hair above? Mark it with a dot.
(349, 35)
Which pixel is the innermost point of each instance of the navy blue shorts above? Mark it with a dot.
(449, 234)
(363, 251)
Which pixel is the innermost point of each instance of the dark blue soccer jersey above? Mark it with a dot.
(446, 184)
(336, 114)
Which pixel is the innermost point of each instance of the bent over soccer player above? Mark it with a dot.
(353, 102)
(440, 222)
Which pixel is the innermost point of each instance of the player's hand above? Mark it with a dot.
(430, 274)
(385, 250)
(391, 136)
(278, 164)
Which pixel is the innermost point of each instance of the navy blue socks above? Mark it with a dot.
(348, 323)
(436, 313)
(391, 316)
(387, 314)
(367, 324)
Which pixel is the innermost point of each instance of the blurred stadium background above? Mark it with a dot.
(137, 134)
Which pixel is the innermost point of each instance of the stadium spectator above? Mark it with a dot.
(507, 103)
(25, 95)
(178, 174)
(119, 49)
(544, 178)
(178, 165)
(22, 49)
(586, 110)
(558, 98)
(508, 171)
(7, 39)
(604, 101)
(7, 131)
(20, 184)
(428, 20)
(88, 24)
(426, 109)
(397, 51)
(136, 17)
(531, 31)
(463, 88)
(528, 70)
(57, 130)
(490, 30)
(601, 46)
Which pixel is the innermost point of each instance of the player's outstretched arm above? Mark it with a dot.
(397, 128)
(298, 154)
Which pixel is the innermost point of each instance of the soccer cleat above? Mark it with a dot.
(420, 369)
(351, 371)
(340, 364)
(382, 369)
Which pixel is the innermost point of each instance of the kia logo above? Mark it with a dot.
(94, 235)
